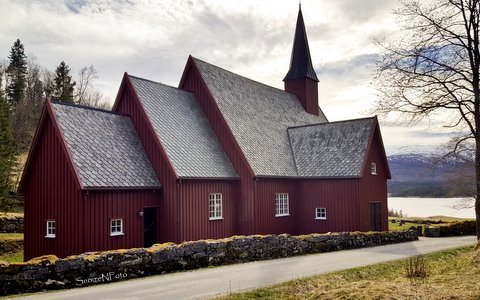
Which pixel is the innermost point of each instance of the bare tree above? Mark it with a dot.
(86, 94)
(433, 72)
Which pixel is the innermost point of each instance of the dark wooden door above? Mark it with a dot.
(149, 226)
(375, 216)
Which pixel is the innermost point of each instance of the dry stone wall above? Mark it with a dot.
(451, 229)
(11, 224)
(49, 272)
(10, 246)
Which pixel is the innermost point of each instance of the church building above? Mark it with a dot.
(217, 156)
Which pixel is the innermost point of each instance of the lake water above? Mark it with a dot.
(426, 207)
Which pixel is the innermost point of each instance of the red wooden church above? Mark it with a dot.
(220, 155)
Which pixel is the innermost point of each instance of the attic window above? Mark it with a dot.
(50, 229)
(116, 227)
(373, 168)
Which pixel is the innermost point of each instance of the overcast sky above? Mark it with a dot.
(152, 39)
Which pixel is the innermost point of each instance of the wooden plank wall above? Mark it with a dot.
(52, 193)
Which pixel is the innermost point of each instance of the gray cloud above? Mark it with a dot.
(75, 5)
(351, 67)
(361, 11)
(153, 39)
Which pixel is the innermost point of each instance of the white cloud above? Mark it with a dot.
(153, 39)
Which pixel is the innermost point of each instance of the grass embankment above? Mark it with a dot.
(10, 214)
(15, 256)
(451, 274)
(415, 221)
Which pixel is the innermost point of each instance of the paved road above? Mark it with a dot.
(206, 283)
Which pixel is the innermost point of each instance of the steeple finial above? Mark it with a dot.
(300, 62)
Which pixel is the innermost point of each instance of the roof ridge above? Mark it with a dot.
(334, 122)
(256, 81)
(89, 108)
(160, 83)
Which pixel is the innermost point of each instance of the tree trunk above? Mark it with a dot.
(477, 198)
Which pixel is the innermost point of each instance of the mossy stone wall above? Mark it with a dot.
(49, 272)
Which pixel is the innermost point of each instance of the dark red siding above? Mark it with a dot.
(306, 91)
(52, 193)
(102, 206)
(373, 188)
(194, 209)
(245, 210)
(338, 196)
(266, 221)
(128, 103)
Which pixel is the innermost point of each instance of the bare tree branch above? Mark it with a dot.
(434, 69)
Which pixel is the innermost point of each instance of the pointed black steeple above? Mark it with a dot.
(300, 62)
(301, 79)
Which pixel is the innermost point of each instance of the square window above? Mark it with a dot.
(373, 168)
(116, 227)
(281, 205)
(320, 213)
(215, 206)
(50, 229)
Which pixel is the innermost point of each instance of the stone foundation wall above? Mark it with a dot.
(451, 229)
(10, 246)
(49, 272)
(11, 224)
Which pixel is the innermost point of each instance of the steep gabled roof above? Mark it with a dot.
(301, 61)
(105, 148)
(184, 131)
(258, 116)
(336, 149)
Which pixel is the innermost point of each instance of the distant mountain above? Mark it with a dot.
(421, 175)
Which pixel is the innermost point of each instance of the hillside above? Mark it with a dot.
(420, 175)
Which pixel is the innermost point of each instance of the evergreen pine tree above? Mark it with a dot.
(63, 87)
(7, 154)
(16, 74)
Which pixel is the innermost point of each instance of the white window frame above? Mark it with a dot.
(373, 168)
(282, 208)
(320, 213)
(116, 227)
(215, 206)
(51, 229)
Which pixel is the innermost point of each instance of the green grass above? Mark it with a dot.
(406, 225)
(412, 221)
(452, 274)
(11, 236)
(15, 257)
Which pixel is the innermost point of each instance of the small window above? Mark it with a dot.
(373, 168)
(50, 229)
(320, 213)
(281, 205)
(116, 227)
(215, 205)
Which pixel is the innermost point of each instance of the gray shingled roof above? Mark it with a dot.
(334, 149)
(105, 148)
(258, 115)
(184, 131)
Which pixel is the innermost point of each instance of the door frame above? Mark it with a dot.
(374, 219)
(155, 226)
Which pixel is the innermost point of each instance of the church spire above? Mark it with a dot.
(300, 61)
(301, 79)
